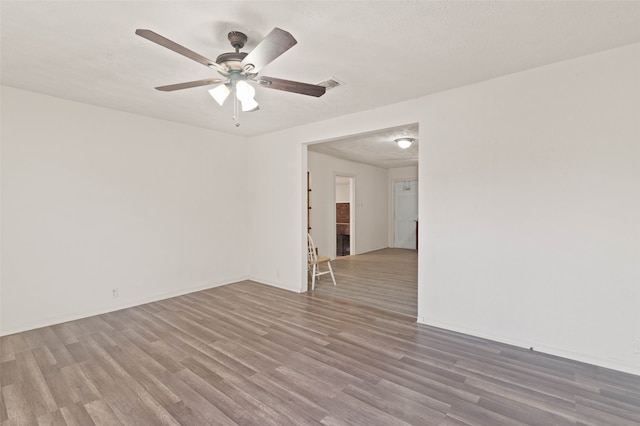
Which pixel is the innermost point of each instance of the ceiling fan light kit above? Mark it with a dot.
(220, 93)
(404, 143)
(245, 91)
(239, 69)
(249, 105)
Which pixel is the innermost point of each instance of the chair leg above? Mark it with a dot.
(331, 270)
(313, 277)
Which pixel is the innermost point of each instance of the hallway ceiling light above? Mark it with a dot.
(404, 143)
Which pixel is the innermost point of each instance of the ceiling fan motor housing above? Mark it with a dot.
(231, 60)
(237, 39)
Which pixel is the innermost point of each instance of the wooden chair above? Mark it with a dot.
(315, 261)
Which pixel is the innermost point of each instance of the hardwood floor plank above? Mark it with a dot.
(45, 360)
(476, 415)
(252, 407)
(315, 368)
(386, 279)
(253, 360)
(589, 415)
(406, 377)
(629, 396)
(125, 372)
(76, 415)
(67, 332)
(3, 408)
(527, 413)
(312, 388)
(56, 350)
(332, 421)
(605, 406)
(251, 354)
(52, 419)
(129, 405)
(403, 394)
(294, 400)
(101, 414)
(18, 405)
(544, 401)
(557, 387)
(234, 408)
(407, 411)
(360, 413)
(34, 385)
(77, 385)
(285, 413)
(340, 362)
(59, 390)
(450, 421)
(198, 410)
(9, 372)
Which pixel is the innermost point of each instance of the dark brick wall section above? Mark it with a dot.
(342, 213)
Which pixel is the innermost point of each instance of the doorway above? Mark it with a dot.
(344, 189)
(373, 271)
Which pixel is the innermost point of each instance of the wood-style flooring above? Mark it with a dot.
(250, 354)
(385, 279)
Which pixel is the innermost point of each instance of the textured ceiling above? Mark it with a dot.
(376, 148)
(384, 52)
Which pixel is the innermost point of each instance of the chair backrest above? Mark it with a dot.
(312, 255)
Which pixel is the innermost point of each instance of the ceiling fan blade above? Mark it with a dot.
(291, 86)
(189, 84)
(274, 44)
(171, 45)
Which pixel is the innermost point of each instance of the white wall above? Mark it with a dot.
(95, 199)
(277, 213)
(343, 192)
(530, 200)
(370, 203)
(529, 205)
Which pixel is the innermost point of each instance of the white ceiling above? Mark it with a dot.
(384, 52)
(376, 148)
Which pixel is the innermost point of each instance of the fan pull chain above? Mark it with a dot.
(236, 110)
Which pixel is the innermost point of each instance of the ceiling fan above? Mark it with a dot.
(238, 69)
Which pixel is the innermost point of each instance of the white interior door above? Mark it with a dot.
(405, 213)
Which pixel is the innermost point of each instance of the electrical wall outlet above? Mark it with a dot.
(114, 293)
(637, 350)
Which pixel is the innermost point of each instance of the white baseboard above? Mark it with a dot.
(549, 350)
(112, 308)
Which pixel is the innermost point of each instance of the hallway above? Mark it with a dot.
(385, 279)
